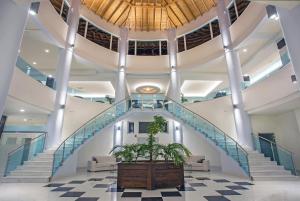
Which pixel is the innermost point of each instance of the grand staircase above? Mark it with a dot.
(45, 165)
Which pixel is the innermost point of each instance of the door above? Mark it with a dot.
(267, 148)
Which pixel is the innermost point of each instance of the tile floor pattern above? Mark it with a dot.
(199, 186)
(94, 189)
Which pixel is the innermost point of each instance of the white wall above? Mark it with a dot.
(284, 126)
(102, 143)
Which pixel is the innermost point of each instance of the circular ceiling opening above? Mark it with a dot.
(149, 15)
(147, 89)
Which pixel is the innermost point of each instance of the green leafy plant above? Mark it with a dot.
(174, 152)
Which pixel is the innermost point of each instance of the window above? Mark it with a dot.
(164, 47)
(131, 47)
(57, 5)
(81, 27)
(241, 5)
(65, 11)
(215, 28)
(98, 36)
(180, 43)
(114, 44)
(147, 48)
(130, 127)
(232, 13)
(198, 37)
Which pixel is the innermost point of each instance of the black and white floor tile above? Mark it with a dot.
(199, 186)
(196, 188)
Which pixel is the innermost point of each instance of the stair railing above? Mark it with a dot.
(211, 131)
(279, 153)
(89, 129)
(24, 153)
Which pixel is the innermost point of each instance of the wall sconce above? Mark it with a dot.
(62, 106)
(272, 12)
(246, 78)
(294, 79)
(235, 106)
(177, 128)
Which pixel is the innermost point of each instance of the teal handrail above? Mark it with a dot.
(211, 131)
(89, 129)
(200, 124)
(278, 153)
(24, 152)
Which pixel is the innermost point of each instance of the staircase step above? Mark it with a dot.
(38, 163)
(35, 168)
(30, 173)
(270, 173)
(276, 178)
(267, 167)
(25, 179)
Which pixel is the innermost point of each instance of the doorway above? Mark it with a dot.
(268, 146)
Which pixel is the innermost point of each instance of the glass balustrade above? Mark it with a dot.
(151, 102)
(276, 152)
(24, 153)
(88, 130)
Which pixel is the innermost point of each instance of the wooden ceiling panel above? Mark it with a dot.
(149, 15)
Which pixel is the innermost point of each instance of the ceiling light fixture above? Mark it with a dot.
(272, 12)
(32, 12)
(50, 76)
(22, 110)
(245, 50)
(34, 63)
(47, 50)
(25, 120)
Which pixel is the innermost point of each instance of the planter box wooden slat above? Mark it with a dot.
(150, 175)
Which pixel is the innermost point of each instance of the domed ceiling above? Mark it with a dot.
(149, 15)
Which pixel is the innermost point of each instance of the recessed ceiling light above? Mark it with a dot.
(25, 120)
(34, 63)
(245, 50)
(22, 110)
(47, 51)
(32, 12)
(50, 76)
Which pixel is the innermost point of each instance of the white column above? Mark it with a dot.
(13, 18)
(121, 86)
(290, 23)
(174, 86)
(62, 77)
(242, 120)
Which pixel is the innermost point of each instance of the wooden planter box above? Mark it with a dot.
(150, 175)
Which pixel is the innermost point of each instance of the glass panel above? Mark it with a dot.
(131, 47)
(57, 5)
(114, 44)
(198, 37)
(65, 11)
(232, 13)
(180, 43)
(25, 152)
(241, 5)
(98, 36)
(164, 47)
(215, 28)
(81, 26)
(148, 48)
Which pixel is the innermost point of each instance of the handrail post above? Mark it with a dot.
(237, 152)
(226, 148)
(293, 164)
(63, 154)
(73, 147)
(273, 152)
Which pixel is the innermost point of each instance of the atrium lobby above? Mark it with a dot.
(149, 100)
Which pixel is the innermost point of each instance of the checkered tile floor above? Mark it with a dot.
(196, 188)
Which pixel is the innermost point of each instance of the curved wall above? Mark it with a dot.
(212, 49)
(77, 112)
(263, 94)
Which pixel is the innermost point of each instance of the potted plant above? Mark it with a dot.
(151, 165)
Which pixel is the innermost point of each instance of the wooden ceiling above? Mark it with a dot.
(149, 15)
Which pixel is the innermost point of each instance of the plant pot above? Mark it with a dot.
(150, 175)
